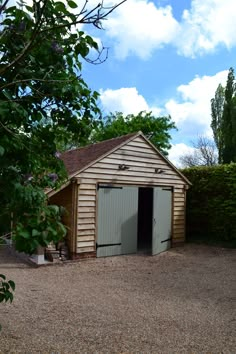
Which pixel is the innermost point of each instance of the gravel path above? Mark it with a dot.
(181, 301)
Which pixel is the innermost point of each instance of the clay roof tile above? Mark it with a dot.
(77, 159)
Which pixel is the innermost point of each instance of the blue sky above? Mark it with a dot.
(167, 56)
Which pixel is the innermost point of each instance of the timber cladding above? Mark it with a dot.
(128, 161)
(142, 161)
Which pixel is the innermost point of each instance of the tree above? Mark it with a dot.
(223, 111)
(217, 108)
(156, 129)
(229, 120)
(43, 100)
(205, 153)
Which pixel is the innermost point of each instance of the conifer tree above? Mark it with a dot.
(229, 120)
(223, 124)
(217, 109)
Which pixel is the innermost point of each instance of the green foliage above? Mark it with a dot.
(229, 120)
(44, 102)
(223, 108)
(211, 202)
(6, 289)
(217, 109)
(156, 129)
(35, 229)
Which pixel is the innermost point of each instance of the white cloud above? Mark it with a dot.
(192, 111)
(126, 100)
(178, 150)
(139, 27)
(207, 25)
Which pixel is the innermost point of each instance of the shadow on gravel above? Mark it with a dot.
(8, 259)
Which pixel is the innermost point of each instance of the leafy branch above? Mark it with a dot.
(18, 82)
(94, 16)
(6, 289)
(30, 43)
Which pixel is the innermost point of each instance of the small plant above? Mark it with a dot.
(6, 289)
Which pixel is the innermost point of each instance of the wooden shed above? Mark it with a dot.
(122, 196)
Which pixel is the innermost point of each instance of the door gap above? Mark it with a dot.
(145, 216)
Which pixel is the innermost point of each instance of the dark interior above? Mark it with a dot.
(145, 209)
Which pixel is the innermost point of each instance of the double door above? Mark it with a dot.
(117, 223)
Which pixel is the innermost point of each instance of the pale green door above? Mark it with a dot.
(117, 220)
(162, 220)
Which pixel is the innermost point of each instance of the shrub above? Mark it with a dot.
(211, 203)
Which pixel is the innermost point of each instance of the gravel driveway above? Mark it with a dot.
(181, 301)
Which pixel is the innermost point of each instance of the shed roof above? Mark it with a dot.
(76, 159)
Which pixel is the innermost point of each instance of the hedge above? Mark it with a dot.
(211, 203)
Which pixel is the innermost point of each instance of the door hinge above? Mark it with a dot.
(108, 245)
(168, 239)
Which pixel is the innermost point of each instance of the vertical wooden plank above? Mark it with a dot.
(109, 222)
(162, 220)
(117, 221)
(74, 236)
(129, 226)
(179, 216)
